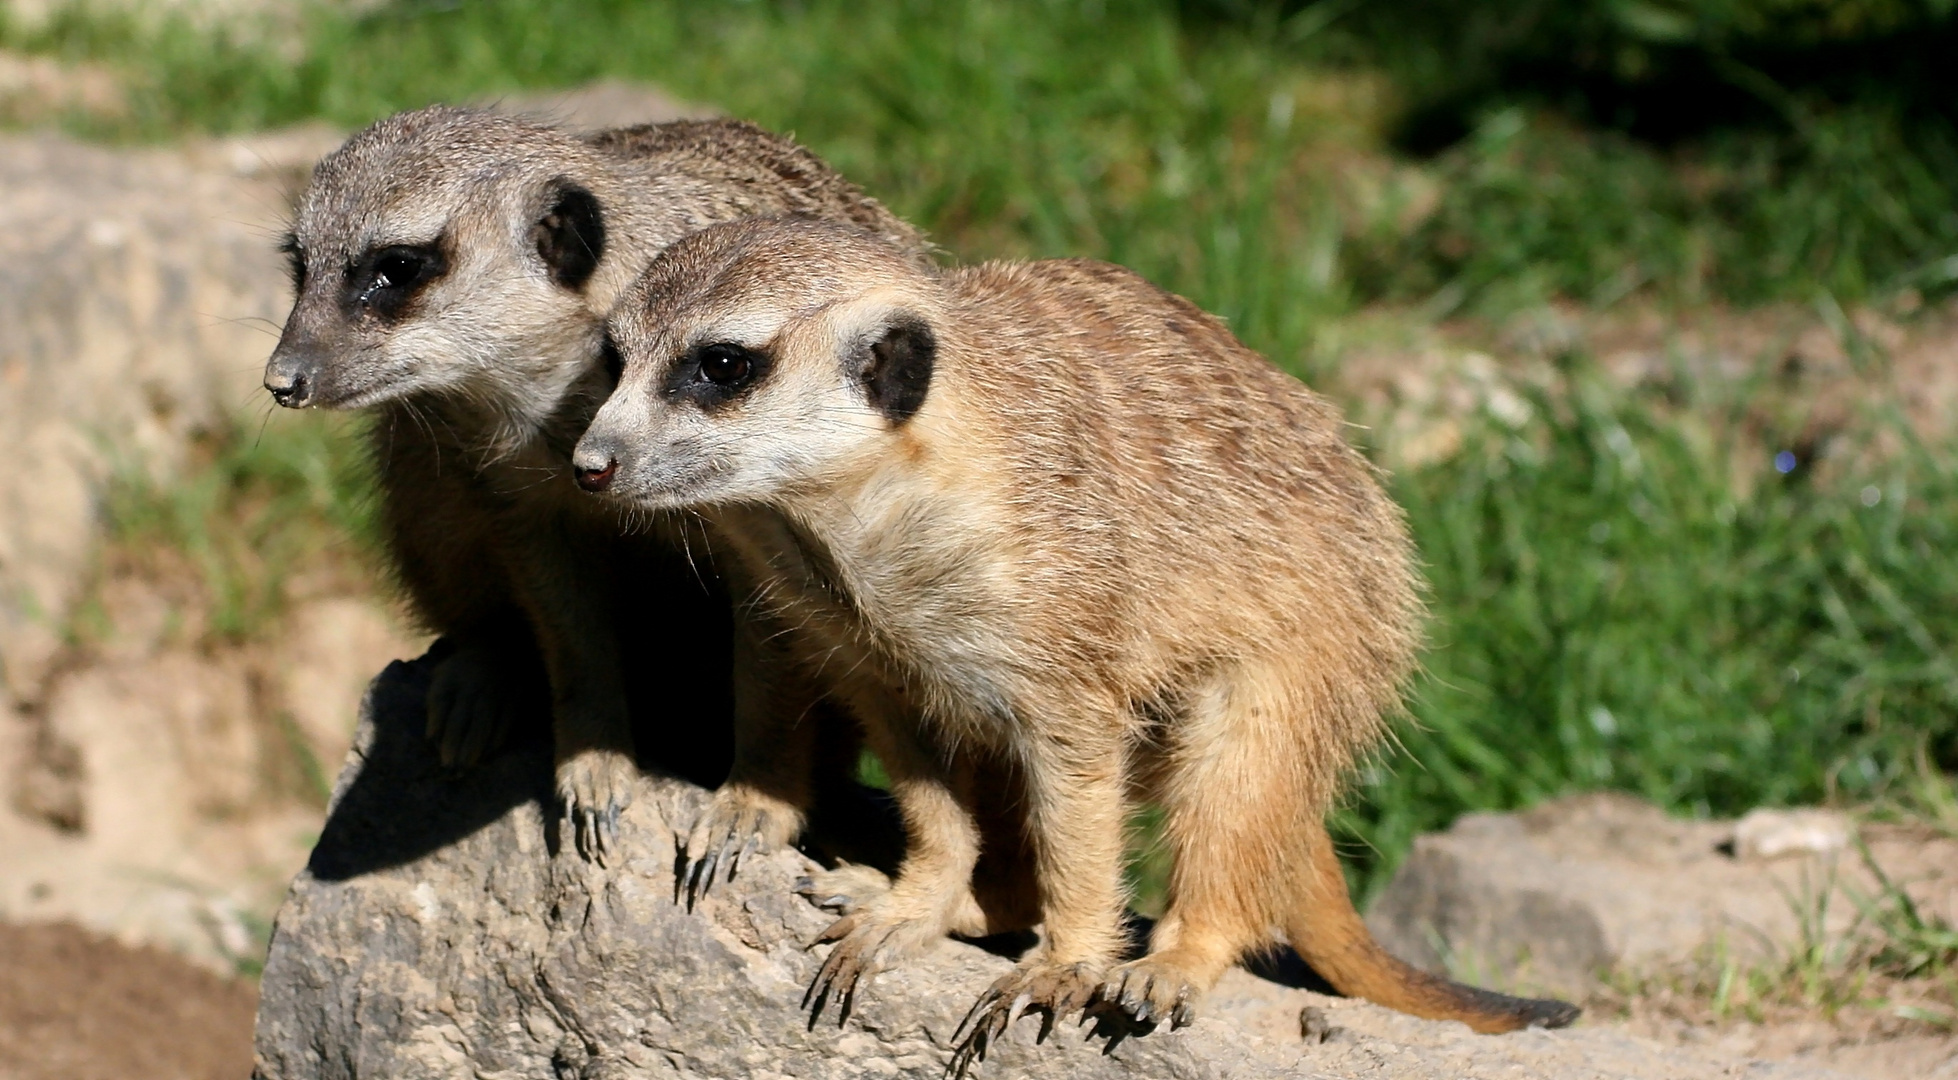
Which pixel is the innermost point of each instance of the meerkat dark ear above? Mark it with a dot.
(897, 368)
(571, 235)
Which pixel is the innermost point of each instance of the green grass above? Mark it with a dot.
(1207, 153)
(1614, 612)
(1625, 595)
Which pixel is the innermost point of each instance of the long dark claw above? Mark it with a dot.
(822, 999)
(438, 706)
(810, 992)
(703, 874)
(723, 856)
(847, 1004)
(827, 982)
(747, 850)
(471, 750)
(985, 999)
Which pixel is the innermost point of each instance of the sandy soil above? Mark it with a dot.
(78, 1006)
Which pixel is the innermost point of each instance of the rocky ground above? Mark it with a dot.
(157, 790)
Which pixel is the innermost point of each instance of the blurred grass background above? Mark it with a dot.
(1627, 593)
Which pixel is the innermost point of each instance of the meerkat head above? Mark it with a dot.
(444, 250)
(761, 358)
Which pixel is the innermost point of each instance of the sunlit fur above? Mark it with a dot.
(481, 386)
(1116, 555)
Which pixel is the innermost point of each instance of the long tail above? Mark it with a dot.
(1329, 934)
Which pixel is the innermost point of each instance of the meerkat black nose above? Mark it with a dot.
(293, 391)
(293, 373)
(598, 479)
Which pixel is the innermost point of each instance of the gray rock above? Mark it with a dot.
(438, 932)
(607, 103)
(1551, 898)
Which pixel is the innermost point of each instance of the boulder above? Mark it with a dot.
(1578, 887)
(441, 930)
(607, 103)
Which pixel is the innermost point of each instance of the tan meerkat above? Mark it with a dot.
(452, 268)
(1045, 520)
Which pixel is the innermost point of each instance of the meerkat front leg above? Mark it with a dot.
(765, 801)
(1004, 897)
(445, 543)
(1076, 790)
(485, 685)
(564, 594)
(933, 883)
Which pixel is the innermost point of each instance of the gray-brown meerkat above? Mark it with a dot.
(452, 269)
(1048, 519)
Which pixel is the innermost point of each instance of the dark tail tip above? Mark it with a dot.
(1489, 1012)
(1548, 1012)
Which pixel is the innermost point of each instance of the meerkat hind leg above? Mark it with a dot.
(1233, 783)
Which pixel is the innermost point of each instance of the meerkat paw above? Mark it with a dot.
(866, 942)
(1056, 991)
(846, 890)
(852, 887)
(594, 786)
(1151, 991)
(738, 823)
(473, 703)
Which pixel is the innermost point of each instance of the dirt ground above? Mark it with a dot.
(78, 1006)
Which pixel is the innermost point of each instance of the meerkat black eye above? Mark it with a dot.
(386, 280)
(726, 365)
(715, 374)
(396, 270)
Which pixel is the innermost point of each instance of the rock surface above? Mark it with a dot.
(1552, 897)
(607, 103)
(438, 932)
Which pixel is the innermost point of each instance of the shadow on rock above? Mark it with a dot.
(396, 802)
